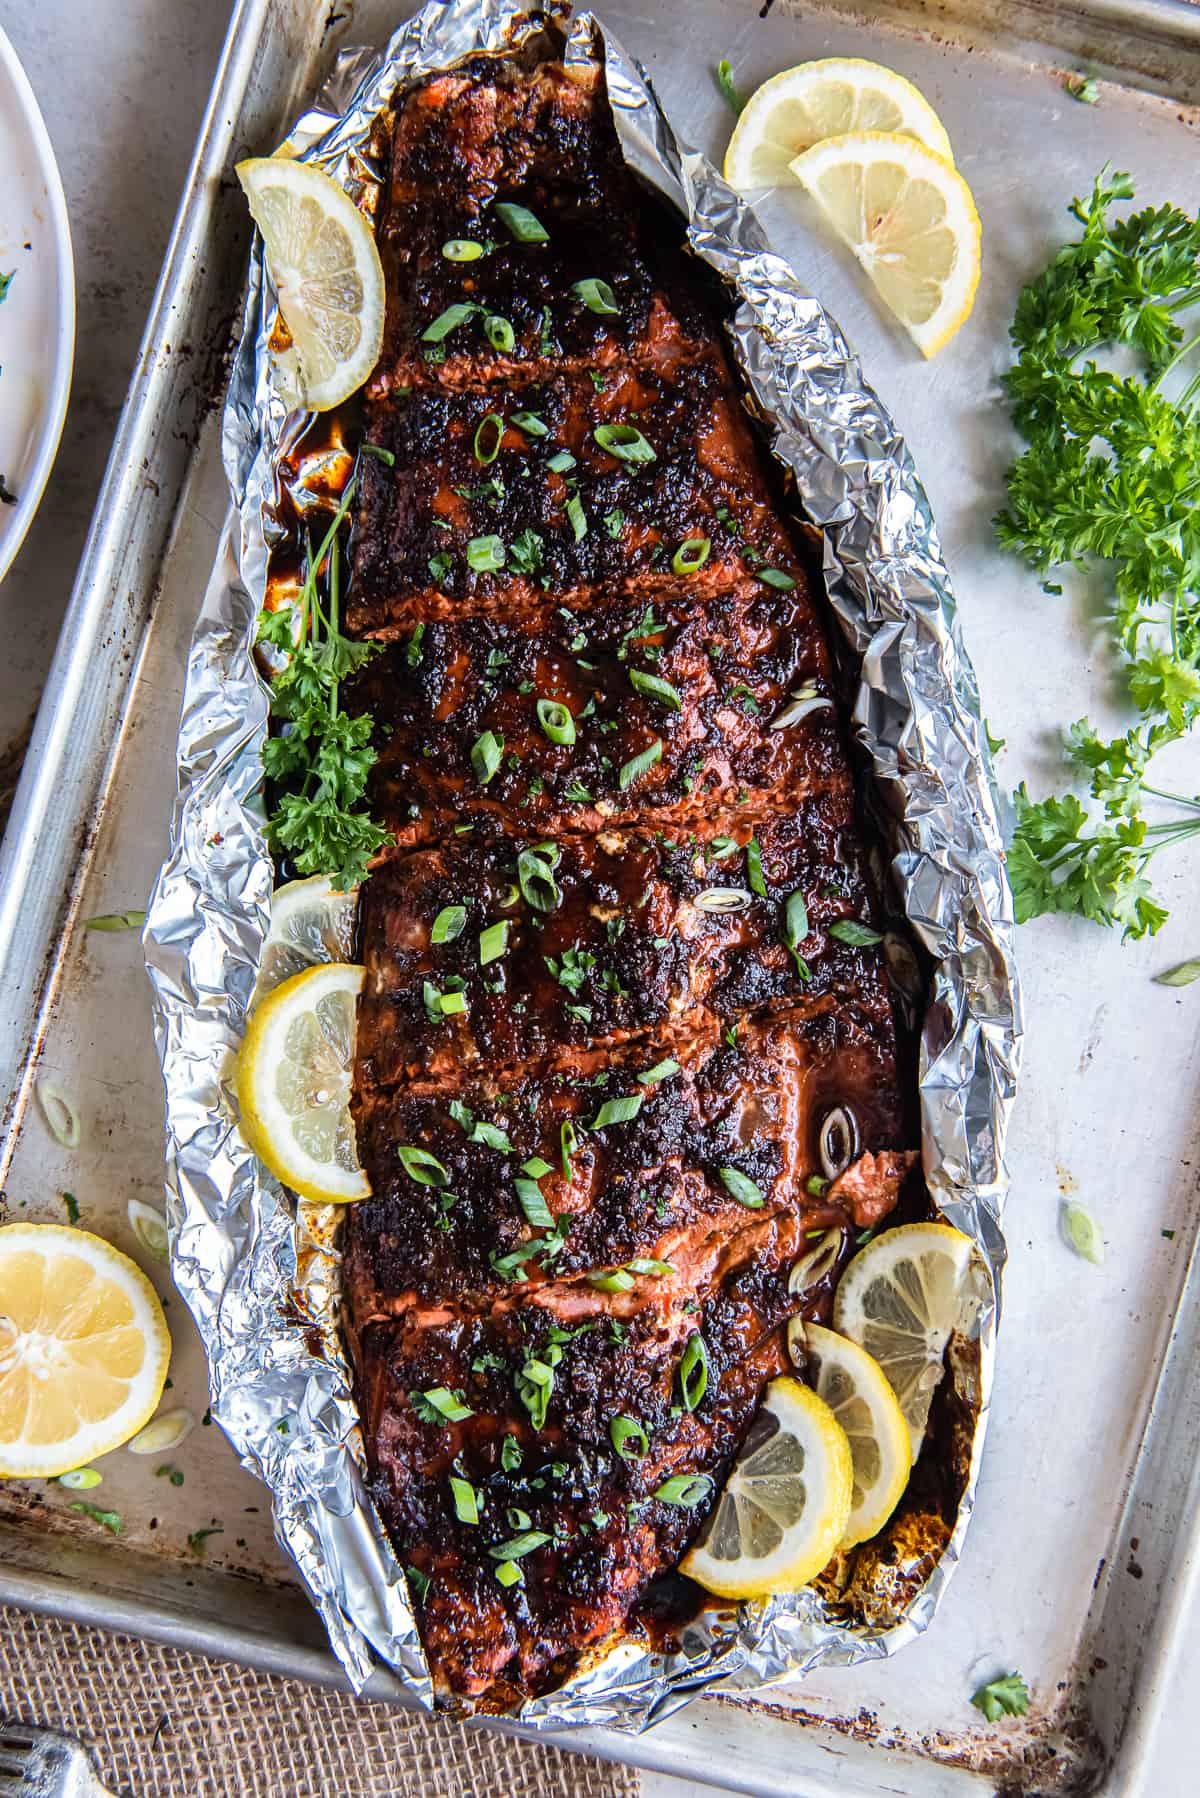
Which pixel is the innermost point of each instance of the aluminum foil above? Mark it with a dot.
(258, 1279)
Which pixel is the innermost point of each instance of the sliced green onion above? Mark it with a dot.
(628, 1438)
(486, 753)
(501, 335)
(164, 1432)
(508, 1573)
(386, 456)
(723, 899)
(466, 1500)
(535, 873)
(654, 687)
(691, 555)
(445, 1402)
(451, 1004)
(620, 1280)
(617, 1111)
(536, 1168)
(614, 521)
(62, 1119)
(577, 517)
(662, 1070)
(754, 867)
(80, 1479)
(518, 1546)
(116, 920)
(490, 423)
(646, 1264)
(485, 554)
(533, 1204)
(450, 320)
(150, 1228)
(775, 577)
(741, 1188)
(729, 92)
(524, 225)
(510, 1454)
(493, 942)
(693, 1372)
(637, 765)
(597, 296)
(795, 929)
(1082, 1232)
(686, 1489)
(419, 1582)
(556, 721)
(569, 1144)
(560, 461)
(859, 936)
(448, 924)
(491, 1136)
(625, 442)
(462, 249)
(421, 1166)
(531, 424)
(535, 1383)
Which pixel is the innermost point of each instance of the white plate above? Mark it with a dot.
(37, 316)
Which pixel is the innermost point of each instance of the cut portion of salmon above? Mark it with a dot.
(470, 143)
(487, 500)
(733, 690)
(636, 1149)
(493, 950)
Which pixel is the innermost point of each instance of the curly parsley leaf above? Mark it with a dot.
(1006, 1697)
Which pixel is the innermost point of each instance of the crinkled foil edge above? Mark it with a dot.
(239, 1255)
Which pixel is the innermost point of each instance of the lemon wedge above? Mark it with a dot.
(805, 105)
(293, 1083)
(909, 218)
(311, 922)
(900, 1298)
(322, 257)
(83, 1349)
(856, 1389)
(784, 1507)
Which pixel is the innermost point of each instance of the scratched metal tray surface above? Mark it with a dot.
(1081, 1564)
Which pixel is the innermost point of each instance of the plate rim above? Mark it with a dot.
(54, 416)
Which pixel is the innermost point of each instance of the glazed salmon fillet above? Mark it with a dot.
(625, 1047)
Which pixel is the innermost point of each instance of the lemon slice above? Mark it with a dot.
(805, 105)
(899, 1299)
(855, 1388)
(785, 1505)
(311, 922)
(910, 219)
(83, 1349)
(293, 1083)
(327, 273)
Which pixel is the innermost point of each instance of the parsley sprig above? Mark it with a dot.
(320, 755)
(1111, 475)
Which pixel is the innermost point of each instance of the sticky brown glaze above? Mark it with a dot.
(734, 662)
(484, 134)
(752, 1098)
(590, 941)
(609, 1358)
(567, 510)
(599, 1117)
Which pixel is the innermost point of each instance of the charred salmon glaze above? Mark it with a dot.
(624, 1045)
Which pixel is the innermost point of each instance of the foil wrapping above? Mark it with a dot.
(260, 1280)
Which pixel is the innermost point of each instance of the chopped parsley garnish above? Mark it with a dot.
(614, 521)
(110, 1520)
(1005, 1697)
(525, 553)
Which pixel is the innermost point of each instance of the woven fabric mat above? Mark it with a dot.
(164, 1724)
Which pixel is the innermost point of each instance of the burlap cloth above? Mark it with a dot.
(169, 1725)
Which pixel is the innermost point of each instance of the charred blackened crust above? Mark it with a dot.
(625, 1048)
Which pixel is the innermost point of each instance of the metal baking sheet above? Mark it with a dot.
(1083, 1549)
